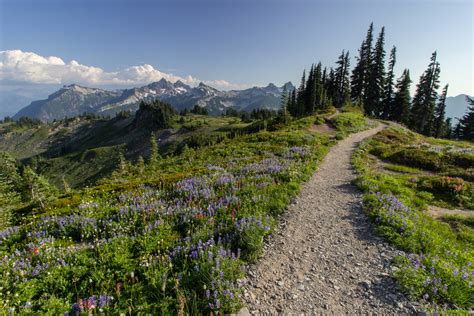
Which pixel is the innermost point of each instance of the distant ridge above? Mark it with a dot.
(72, 100)
(456, 106)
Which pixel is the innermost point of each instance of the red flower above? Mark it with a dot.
(117, 288)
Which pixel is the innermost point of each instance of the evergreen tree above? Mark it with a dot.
(154, 115)
(300, 97)
(37, 188)
(309, 94)
(439, 124)
(401, 101)
(466, 123)
(360, 73)
(66, 186)
(284, 115)
(10, 199)
(320, 95)
(154, 154)
(330, 86)
(122, 166)
(449, 128)
(293, 107)
(422, 112)
(342, 83)
(376, 79)
(388, 93)
(284, 99)
(10, 196)
(140, 165)
(457, 133)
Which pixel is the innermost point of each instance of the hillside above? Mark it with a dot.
(84, 149)
(196, 212)
(75, 100)
(419, 194)
(212, 189)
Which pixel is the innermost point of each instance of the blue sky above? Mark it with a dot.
(243, 43)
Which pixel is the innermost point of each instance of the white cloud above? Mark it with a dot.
(26, 67)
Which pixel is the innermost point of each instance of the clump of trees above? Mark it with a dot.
(19, 187)
(199, 110)
(154, 115)
(372, 86)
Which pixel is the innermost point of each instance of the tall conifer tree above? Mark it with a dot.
(466, 123)
(293, 103)
(310, 92)
(342, 83)
(439, 124)
(422, 113)
(388, 94)
(330, 86)
(376, 79)
(300, 97)
(360, 73)
(318, 87)
(401, 101)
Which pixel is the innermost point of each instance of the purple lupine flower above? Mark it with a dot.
(426, 282)
(75, 308)
(104, 300)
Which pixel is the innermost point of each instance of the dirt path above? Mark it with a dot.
(325, 128)
(439, 212)
(325, 258)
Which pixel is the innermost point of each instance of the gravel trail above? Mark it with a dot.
(325, 257)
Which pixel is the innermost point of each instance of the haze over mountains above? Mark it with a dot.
(456, 106)
(74, 99)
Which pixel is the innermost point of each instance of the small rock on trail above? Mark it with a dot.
(325, 258)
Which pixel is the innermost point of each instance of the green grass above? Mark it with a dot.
(438, 266)
(349, 122)
(401, 168)
(131, 235)
(56, 149)
(81, 168)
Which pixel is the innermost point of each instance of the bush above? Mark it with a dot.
(418, 158)
(349, 122)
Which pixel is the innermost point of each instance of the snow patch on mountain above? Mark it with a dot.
(74, 99)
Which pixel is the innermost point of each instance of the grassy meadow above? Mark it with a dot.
(172, 235)
(404, 175)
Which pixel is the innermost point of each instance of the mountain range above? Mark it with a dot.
(456, 106)
(74, 99)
